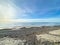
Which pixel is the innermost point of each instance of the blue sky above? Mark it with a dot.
(39, 8)
(12, 11)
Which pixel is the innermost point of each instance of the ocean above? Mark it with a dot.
(37, 23)
(30, 24)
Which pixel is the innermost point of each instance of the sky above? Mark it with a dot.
(12, 11)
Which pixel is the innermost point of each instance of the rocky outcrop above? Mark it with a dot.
(30, 36)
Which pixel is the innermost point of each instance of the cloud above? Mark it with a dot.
(37, 20)
(7, 11)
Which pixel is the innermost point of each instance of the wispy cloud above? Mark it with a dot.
(37, 20)
(7, 11)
